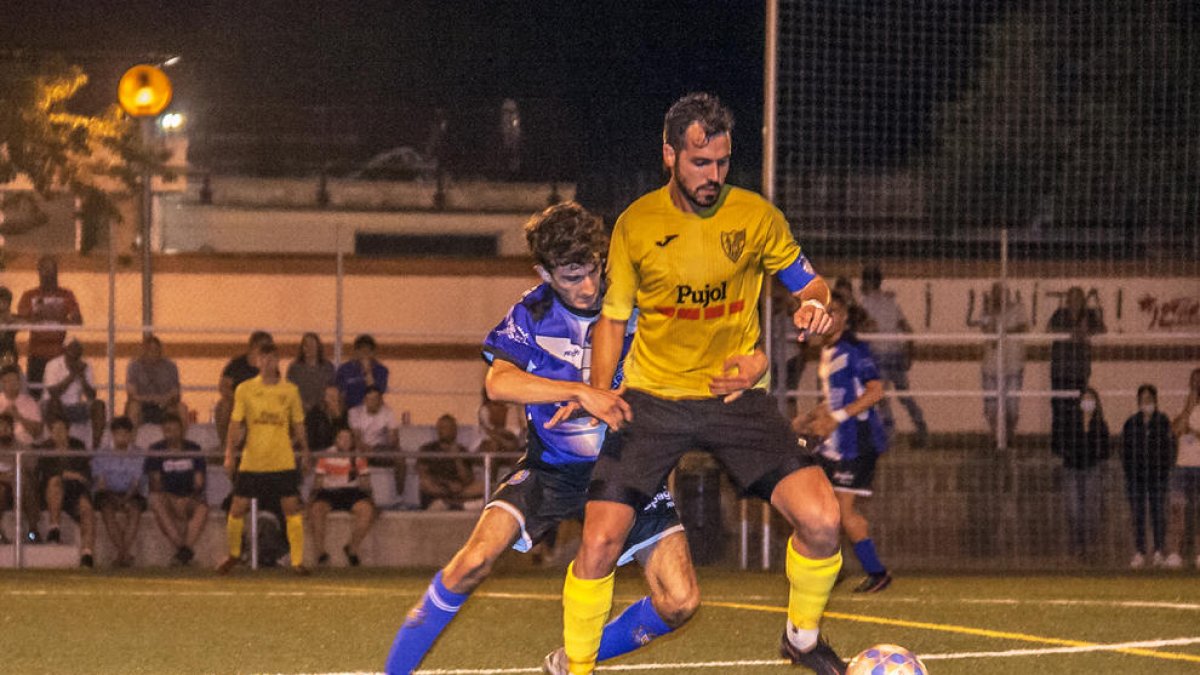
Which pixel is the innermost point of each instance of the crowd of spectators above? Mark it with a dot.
(53, 404)
(98, 468)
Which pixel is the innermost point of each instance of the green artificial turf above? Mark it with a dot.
(171, 621)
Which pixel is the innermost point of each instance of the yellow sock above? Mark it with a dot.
(811, 583)
(586, 605)
(295, 535)
(233, 533)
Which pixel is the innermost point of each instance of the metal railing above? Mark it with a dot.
(19, 456)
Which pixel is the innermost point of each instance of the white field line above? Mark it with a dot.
(1010, 653)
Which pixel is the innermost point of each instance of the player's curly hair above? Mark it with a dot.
(700, 107)
(566, 234)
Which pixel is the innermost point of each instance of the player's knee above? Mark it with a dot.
(598, 553)
(819, 528)
(676, 605)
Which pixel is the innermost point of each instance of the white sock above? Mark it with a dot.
(802, 639)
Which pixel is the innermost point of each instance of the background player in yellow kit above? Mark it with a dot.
(268, 415)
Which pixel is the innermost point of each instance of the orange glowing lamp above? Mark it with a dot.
(144, 91)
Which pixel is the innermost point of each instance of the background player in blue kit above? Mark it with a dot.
(853, 432)
(540, 356)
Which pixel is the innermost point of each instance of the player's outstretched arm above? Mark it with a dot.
(507, 382)
(812, 318)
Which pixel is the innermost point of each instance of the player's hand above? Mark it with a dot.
(741, 372)
(229, 466)
(823, 424)
(812, 319)
(606, 405)
(603, 405)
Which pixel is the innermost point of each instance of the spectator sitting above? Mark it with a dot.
(177, 489)
(25, 412)
(497, 437)
(70, 390)
(8, 338)
(342, 484)
(118, 481)
(152, 385)
(448, 479)
(311, 372)
(66, 486)
(1149, 453)
(363, 371)
(48, 303)
(8, 476)
(321, 423)
(374, 424)
(238, 370)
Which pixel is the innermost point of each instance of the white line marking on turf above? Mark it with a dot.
(1049, 651)
(1046, 651)
(760, 663)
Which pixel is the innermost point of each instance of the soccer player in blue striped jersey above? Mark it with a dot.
(540, 356)
(853, 432)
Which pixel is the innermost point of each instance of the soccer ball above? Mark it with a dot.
(886, 660)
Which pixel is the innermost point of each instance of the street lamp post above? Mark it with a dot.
(144, 92)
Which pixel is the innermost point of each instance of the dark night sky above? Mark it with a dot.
(594, 78)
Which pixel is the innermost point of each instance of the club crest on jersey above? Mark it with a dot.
(733, 243)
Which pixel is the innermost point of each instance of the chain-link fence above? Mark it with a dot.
(1008, 193)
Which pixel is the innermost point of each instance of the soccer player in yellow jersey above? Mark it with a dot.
(691, 258)
(267, 414)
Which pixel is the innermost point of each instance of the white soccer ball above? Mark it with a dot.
(886, 660)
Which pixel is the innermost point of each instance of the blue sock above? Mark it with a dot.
(636, 626)
(865, 550)
(425, 622)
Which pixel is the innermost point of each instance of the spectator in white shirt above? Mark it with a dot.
(1010, 313)
(70, 390)
(27, 416)
(375, 430)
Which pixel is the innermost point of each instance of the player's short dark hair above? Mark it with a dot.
(706, 109)
(10, 369)
(364, 340)
(372, 389)
(267, 348)
(51, 420)
(121, 422)
(7, 417)
(1148, 389)
(172, 418)
(566, 234)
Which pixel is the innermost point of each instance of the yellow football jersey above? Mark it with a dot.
(695, 280)
(269, 411)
